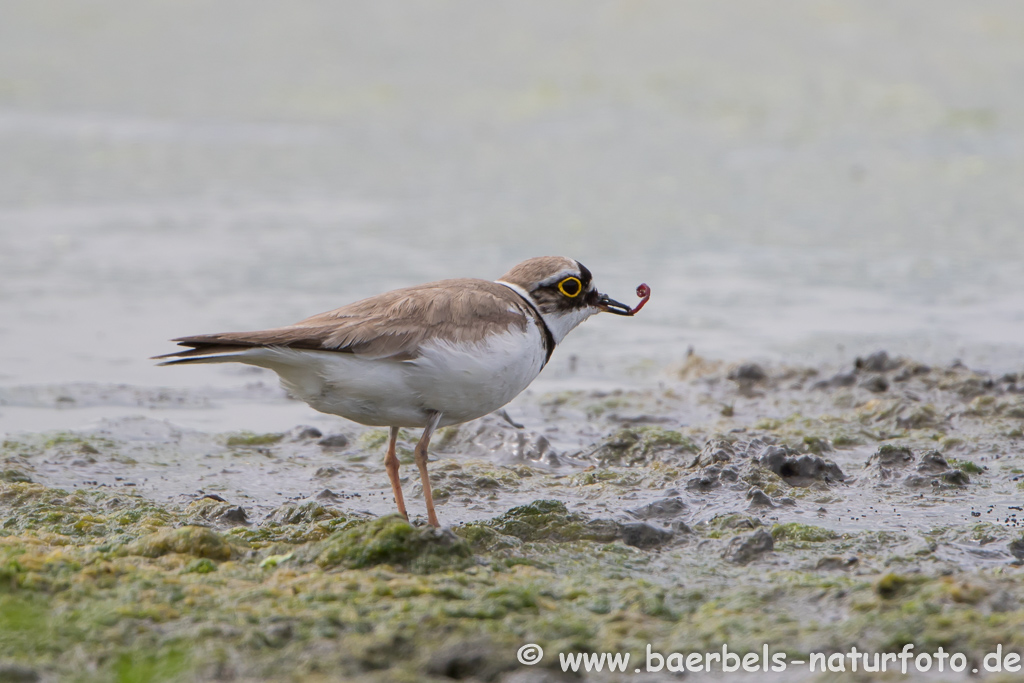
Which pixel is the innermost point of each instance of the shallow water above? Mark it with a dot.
(802, 182)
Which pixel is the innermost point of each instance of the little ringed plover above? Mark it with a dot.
(437, 354)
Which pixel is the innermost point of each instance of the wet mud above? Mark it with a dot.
(813, 509)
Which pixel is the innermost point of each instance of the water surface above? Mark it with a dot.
(798, 182)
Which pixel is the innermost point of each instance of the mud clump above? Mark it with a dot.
(500, 439)
(759, 499)
(878, 362)
(217, 511)
(799, 469)
(837, 381)
(889, 457)
(551, 521)
(769, 468)
(303, 433)
(666, 508)
(334, 442)
(302, 513)
(895, 462)
(835, 563)
(748, 547)
(715, 463)
(393, 541)
(715, 452)
(875, 373)
(641, 445)
(933, 469)
(875, 383)
(473, 481)
(747, 376)
(712, 477)
(643, 536)
(921, 417)
(297, 522)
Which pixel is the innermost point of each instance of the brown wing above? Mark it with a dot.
(391, 325)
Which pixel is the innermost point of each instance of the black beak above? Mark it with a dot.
(609, 305)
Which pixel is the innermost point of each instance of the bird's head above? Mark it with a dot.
(563, 291)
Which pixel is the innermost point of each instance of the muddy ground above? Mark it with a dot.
(810, 509)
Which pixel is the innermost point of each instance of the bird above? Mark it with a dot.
(427, 356)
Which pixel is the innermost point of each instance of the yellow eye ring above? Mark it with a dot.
(575, 287)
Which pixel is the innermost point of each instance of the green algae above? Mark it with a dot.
(895, 452)
(374, 440)
(145, 667)
(83, 444)
(847, 440)
(393, 541)
(636, 445)
(79, 514)
(616, 477)
(797, 533)
(271, 561)
(550, 520)
(294, 523)
(966, 466)
(202, 565)
(207, 509)
(769, 482)
(474, 479)
(728, 524)
(344, 606)
(196, 541)
(315, 591)
(15, 477)
(305, 513)
(245, 439)
(482, 537)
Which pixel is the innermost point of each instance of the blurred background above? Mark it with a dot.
(797, 181)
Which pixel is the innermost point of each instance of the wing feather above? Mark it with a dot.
(391, 325)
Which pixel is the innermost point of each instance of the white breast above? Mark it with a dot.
(467, 381)
(462, 381)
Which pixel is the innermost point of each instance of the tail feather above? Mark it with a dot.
(222, 358)
(202, 351)
(300, 375)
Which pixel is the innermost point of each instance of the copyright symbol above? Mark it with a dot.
(530, 654)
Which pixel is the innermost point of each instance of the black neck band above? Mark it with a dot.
(549, 339)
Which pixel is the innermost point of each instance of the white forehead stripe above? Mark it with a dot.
(559, 277)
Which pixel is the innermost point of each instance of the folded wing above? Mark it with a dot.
(393, 325)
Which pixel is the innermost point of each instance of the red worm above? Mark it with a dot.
(644, 292)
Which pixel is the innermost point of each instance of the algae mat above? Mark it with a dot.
(809, 509)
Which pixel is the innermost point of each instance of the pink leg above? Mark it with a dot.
(421, 462)
(391, 465)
